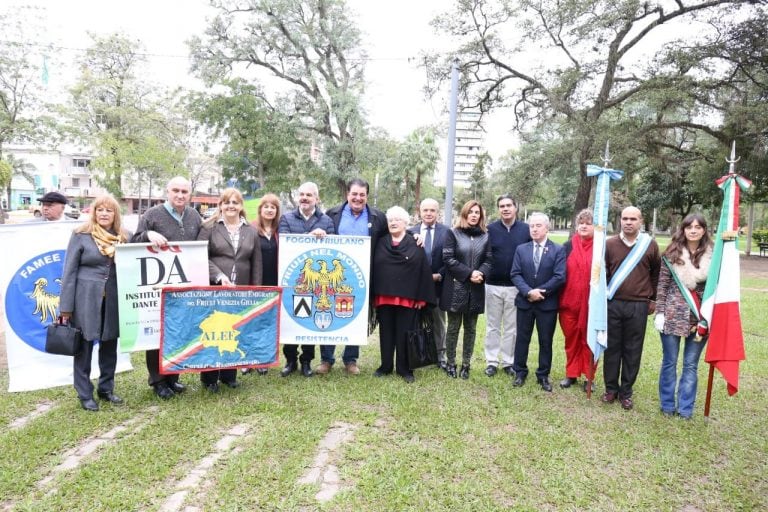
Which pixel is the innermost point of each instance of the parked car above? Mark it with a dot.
(70, 210)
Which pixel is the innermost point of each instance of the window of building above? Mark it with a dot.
(81, 162)
(75, 182)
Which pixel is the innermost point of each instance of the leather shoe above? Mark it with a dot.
(409, 378)
(306, 369)
(352, 368)
(262, 371)
(89, 404)
(380, 373)
(163, 391)
(290, 367)
(451, 371)
(626, 403)
(110, 397)
(177, 387)
(545, 384)
(608, 397)
(213, 387)
(509, 370)
(491, 370)
(233, 384)
(464, 372)
(323, 368)
(568, 382)
(442, 365)
(519, 381)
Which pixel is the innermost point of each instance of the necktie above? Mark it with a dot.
(428, 244)
(536, 256)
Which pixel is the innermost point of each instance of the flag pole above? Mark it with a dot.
(708, 401)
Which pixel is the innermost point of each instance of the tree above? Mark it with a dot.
(415, 160)
(20, 84)
(126, 120)
(592, 54)
(264, 149)
(312, 49)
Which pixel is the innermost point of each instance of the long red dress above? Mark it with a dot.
(574, 306)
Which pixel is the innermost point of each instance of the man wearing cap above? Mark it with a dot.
(53, 207)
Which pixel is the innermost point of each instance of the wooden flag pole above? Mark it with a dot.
(709, 390)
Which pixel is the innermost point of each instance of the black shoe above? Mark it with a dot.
(568, 382)
(110, 397)
(213, 387)
(306, 369)
(89, 404)
(163, 391)
(545, 384)
(246, 371)
(234, 384)
(519, 381)
(380, 373)
(409, 378)
(290, 367)
(442, 365)
(491, 370)
(464, 373)
(591, 386)
(451, 371)
(262, 371)
(509, 370)
(177, 387)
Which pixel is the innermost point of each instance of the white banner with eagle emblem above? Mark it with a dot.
(325, 285)
(30, 283)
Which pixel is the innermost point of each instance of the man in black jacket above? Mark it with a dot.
(432, 235)
(354, 217)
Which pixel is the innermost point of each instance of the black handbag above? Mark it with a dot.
(420, 342)
(63, 339)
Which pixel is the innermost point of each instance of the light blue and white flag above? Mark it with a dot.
(597, 320)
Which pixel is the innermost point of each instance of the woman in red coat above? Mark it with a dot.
(574, 302)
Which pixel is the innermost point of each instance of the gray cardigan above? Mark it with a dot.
(89, 280)
(222, 257)
(158, 219)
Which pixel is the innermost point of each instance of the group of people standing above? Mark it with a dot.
(507, 269)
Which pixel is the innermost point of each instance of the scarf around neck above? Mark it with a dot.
(105, 241)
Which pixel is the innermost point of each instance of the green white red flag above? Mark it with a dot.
(720, 302)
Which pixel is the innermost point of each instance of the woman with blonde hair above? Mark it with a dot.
(89, 299)
(467, 256)
(234, 258)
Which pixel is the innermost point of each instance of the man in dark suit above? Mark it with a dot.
(431, 235)
(538, 272)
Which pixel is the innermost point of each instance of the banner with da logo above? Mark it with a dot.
(214, 328)
(30, 284)
(142, 271)
(325, 289)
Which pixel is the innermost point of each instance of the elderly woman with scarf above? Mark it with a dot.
(402, 285)
(88, 298)
(685, 264)
(574, 301)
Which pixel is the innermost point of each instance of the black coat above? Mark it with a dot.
(462, 253)
(402, 271)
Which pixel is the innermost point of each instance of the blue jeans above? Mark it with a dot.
(686, 389)
(350, 355)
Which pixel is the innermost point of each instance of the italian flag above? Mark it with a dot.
(720, 302)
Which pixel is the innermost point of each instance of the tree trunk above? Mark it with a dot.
(585, 186)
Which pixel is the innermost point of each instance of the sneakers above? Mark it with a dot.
(352, 368)
(323, 368)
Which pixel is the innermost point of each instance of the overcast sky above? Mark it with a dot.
(394, 34)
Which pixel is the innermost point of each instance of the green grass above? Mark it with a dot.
(439, 444)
